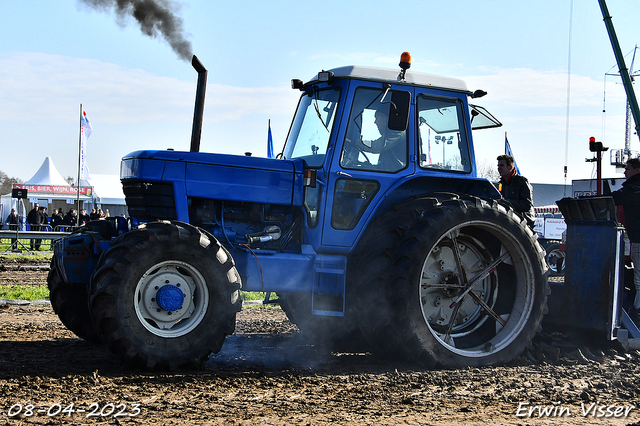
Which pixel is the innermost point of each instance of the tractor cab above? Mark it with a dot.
(369, 136)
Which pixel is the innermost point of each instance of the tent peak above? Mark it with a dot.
(47, 174)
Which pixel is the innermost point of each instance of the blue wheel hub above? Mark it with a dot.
(170, 298)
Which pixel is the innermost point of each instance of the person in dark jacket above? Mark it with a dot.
(13, 221)
(34, 218)
(44, 217)
(84, 217)
(71, 218)
(629, 198)
(56, 219)
(516, 190)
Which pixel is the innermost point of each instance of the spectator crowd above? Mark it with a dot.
(39, 220)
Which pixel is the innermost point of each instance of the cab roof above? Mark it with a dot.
(387, 75)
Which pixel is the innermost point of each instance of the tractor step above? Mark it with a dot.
(329, 285)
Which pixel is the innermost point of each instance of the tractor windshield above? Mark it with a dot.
(311, 128)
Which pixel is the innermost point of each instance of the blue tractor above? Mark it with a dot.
(371, 227)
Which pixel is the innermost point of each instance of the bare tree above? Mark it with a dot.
(6, 182)
(488, 170)
(70, 180)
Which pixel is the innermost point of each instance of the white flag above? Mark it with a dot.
(86, 130)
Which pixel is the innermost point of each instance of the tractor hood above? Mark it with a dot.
(217, 176)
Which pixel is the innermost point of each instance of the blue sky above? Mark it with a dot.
(139, 95)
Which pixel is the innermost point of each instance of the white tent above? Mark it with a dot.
(107, 189)
(108, 194)
(48, 188)
(47, 174)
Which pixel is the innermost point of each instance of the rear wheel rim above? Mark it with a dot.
(552, 260)
(474, 310)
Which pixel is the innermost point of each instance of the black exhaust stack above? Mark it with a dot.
(198, 112)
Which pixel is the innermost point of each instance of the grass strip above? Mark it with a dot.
(24, 292)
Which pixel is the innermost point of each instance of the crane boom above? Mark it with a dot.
(624, 72)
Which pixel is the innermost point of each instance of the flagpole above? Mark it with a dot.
(78, 181)
(270, 153)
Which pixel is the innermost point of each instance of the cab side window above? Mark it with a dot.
(443, 140)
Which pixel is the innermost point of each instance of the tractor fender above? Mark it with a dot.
(417, 187)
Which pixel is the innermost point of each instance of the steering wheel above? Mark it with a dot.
(351, 158)
(389, 144)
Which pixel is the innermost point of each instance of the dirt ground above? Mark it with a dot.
(268, 374)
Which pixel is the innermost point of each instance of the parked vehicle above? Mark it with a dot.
(550, 227)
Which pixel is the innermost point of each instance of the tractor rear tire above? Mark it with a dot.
(132, 312)
(297, 307)
(468, 285)
(71, 303)
(368, 277)
(365, 315)
(330, 332)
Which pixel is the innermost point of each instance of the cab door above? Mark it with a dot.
(372, 154)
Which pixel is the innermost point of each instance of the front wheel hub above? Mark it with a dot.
(170, 298)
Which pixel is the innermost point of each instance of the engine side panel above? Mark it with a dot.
(158, 184)
(252, 185)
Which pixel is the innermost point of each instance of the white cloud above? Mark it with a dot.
(133, 109)
(371, 59)
(129, 109)
(522, 87)
(51, 87)
(532, 105)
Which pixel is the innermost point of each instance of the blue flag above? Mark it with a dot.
(507, 150)
(270, 143)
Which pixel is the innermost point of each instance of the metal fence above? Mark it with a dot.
(19, 241)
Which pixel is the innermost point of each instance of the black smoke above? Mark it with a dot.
(155, 17)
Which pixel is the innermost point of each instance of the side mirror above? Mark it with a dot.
(399, 110)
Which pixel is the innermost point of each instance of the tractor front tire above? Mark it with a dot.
(71, 303)
(165, 296)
